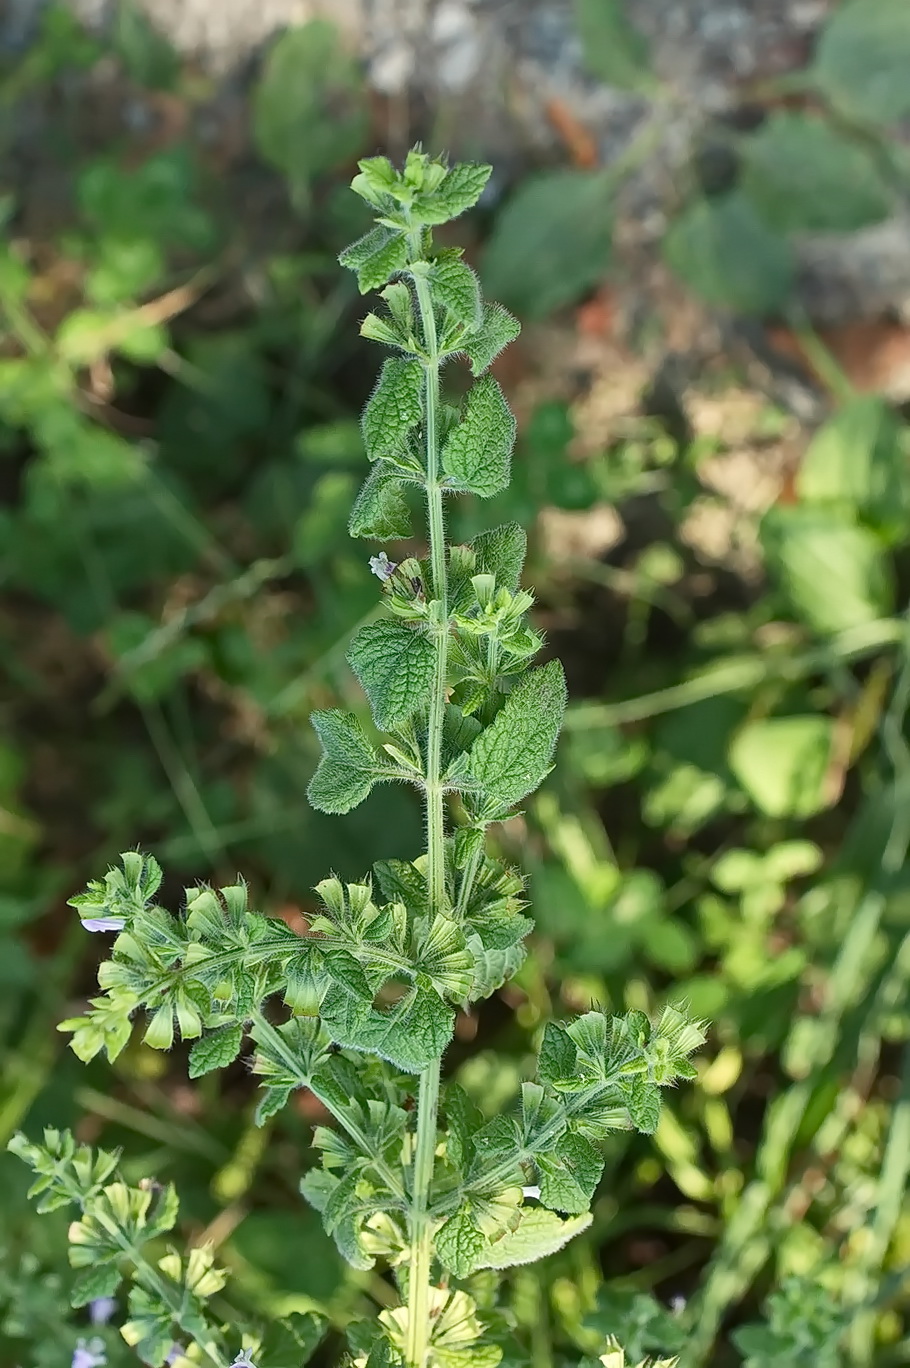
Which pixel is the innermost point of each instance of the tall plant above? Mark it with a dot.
(411, 1175)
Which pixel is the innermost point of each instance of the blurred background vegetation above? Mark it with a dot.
(713, 467)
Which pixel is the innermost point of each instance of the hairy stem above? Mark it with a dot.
(428, 1097)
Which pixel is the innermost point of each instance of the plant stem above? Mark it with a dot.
(421, 1225)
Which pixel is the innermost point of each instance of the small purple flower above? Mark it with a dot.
(89, 1354)
(241, 1361)
(174, 1353)
(103, 923)
(101, 1309)
(382, 567)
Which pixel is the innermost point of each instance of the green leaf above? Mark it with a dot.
(402, 882)
(395, 408)
(501, 553)
(497, 329)
(552, 241)
(724, 252)
(493, 966)
(477, 452)
(309, 106)
(458, 1243)
(347, 770)
(380, 511)
(856, 463)
(410, 1035)
(782, 763)
(348, 974)
(834, 574)
(569, 1174)
(512, 755)
(613, 49)
(558, 1056)
(272, 1100)
(216, 1050)
(376, 182)
(394, 663)
(463, 1120)
(456, 286)
(539, 1233)
(100, 1280)
(376, 257)
(442, 955)
(804, 176)
(459, 190)
(862, 59)
(382, 1355)
(643, 1099)
(292, 1341)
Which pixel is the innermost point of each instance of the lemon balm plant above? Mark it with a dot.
(361, 1010)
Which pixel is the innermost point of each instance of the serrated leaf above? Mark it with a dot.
(216, 1050)
(401, 881)
(477, 452)
(613, 50)
(862, 59)
(389, 257)
(382, 1355)
(538, 1234)
(343, 1219)
(394, 663)
(376, 257)
(347, 770)
(458, 1243)
(380, 511)
(410, 1035)
(569, 1174)
(100, 1280)
(493, 965)
(460, 189)
(558, 1055)
(643, 1098)
(468, 845)
(348, 973)
(551, 242)
(724, 252)
(497, 329)
(512, 755)
(501, 553)
(292, 1341)
(456, 286)
(394, 409)
(805, 176)
(271, 1101)
(464, 1120)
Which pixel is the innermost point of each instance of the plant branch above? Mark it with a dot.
(361, 1140)
(428, 1095)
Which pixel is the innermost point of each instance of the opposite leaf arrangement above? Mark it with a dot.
(413, 1177)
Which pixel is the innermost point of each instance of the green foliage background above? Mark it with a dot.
(727, 824)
